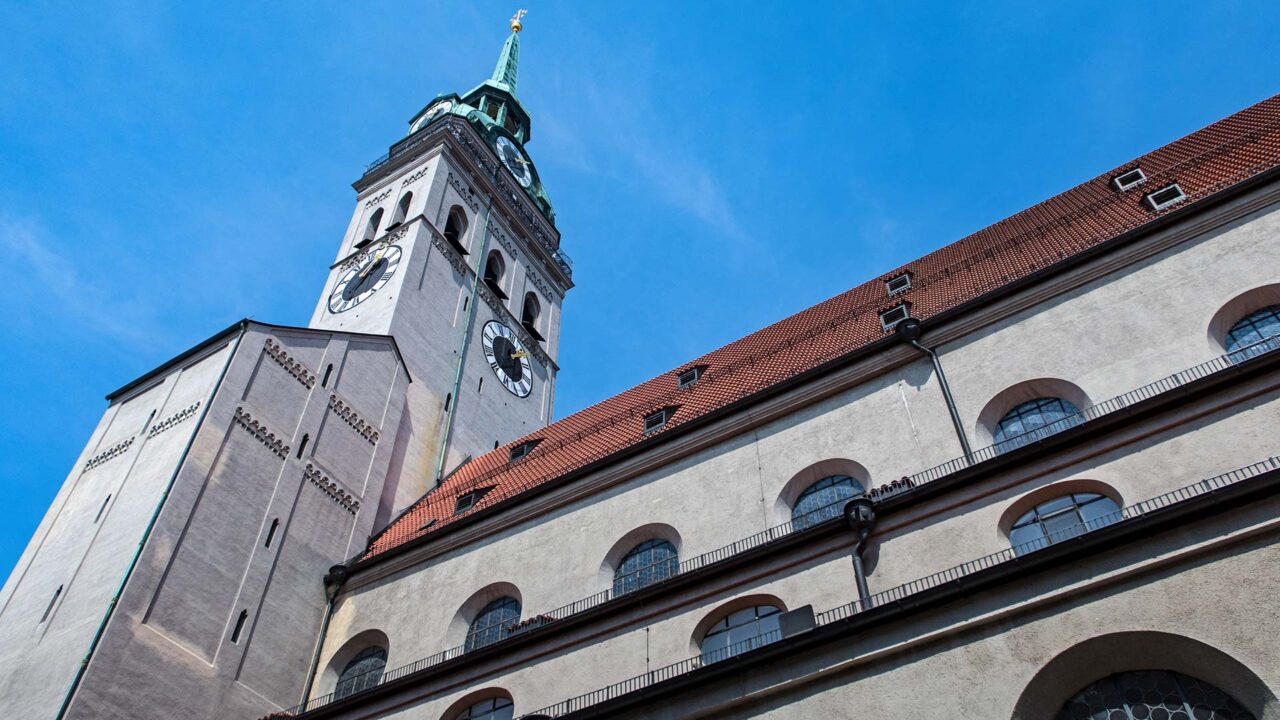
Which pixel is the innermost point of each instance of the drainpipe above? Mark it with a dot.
(146, 533)
(909, 331)
(860, 517)
(466, 342)
(333, 582)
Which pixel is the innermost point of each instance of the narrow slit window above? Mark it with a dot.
(898, 283)
(448, 400)
(1165, 196)
(303, 445)
(1129, 179)
(327, 372)
(271, 534)
(894, 315)
(52, 601)
(480, 389)
(102, 509)
(235, 634)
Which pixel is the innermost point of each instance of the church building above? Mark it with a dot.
(1034, 474)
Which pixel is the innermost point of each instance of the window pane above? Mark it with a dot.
(1103, 507)
(647, 563)
(1032, 420)
(1027, 534)
(823, 500)
(741, 631)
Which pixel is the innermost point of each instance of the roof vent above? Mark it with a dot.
(690, 377)
(1166, 196)
(524, 449)
(894, 315)
(1129, 179)
(468, 500)
(898, 283)
(657, 420)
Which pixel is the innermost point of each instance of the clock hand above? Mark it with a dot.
(517, 354)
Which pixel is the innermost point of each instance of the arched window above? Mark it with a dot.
(645, 564)
(498, 708)
(402, 210)
(740, 631)
(1253, 328)
(371, 230)
(1153, 694)
(529, 314)
(492, 622)
(494, 268)
(455, 227)
(1033, 420)
(363, 672)
(1060, 519)
(823, 499)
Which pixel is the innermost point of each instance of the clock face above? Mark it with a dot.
(513, 157)
(434, 112)
(508, 358)
(363, 277)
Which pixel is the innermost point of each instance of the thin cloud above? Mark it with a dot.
(60, 288)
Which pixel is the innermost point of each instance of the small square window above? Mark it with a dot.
(898, 283)
(1165, 196)
(1129, 179)
(894, 315)
(690, 377)
(524, 448)
(655, 421)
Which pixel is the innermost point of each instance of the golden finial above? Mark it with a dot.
(516, 25)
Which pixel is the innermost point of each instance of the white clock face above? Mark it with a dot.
(365, 275)
(434, 112)
(513, 157)
(508, 358)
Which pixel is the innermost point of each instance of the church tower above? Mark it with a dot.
(452, 250)
(180, 569)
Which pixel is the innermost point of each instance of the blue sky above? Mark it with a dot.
(166, 169)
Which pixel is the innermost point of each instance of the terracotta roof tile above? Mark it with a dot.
(1203, 163)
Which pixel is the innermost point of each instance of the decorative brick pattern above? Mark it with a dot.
(332, 488)
(299, 371)
(353, 419)
(174, 419)
(108, 454)
(266, 437)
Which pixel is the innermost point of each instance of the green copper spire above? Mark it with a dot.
(504, 75)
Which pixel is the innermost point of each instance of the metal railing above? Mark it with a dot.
(906, 590)
(654, 677)
(1106, 407)
(817, 516)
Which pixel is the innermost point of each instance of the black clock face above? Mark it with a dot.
(514, 159)
(508, 358)
(364, 276)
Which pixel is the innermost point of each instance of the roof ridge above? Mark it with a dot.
(863, 304)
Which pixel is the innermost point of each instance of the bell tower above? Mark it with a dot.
(452, 250)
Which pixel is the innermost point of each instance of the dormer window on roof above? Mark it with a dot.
(1165, 196)
(523, 449)
(898, 283)
(690, 377)
(1129, 179)
(468, 500)
(894, 315)
(657, 420)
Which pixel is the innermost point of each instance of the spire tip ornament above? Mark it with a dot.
(516, 25)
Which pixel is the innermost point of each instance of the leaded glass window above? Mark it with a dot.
(1153, 694)
(647, 563)
(363, 672)
(492, 709)
(738, 632)
(492, 624)
(1033, 420)
(1253, 329)
(823, 500)
(1060, 519)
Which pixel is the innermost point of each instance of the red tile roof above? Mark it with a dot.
(1203, 163)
